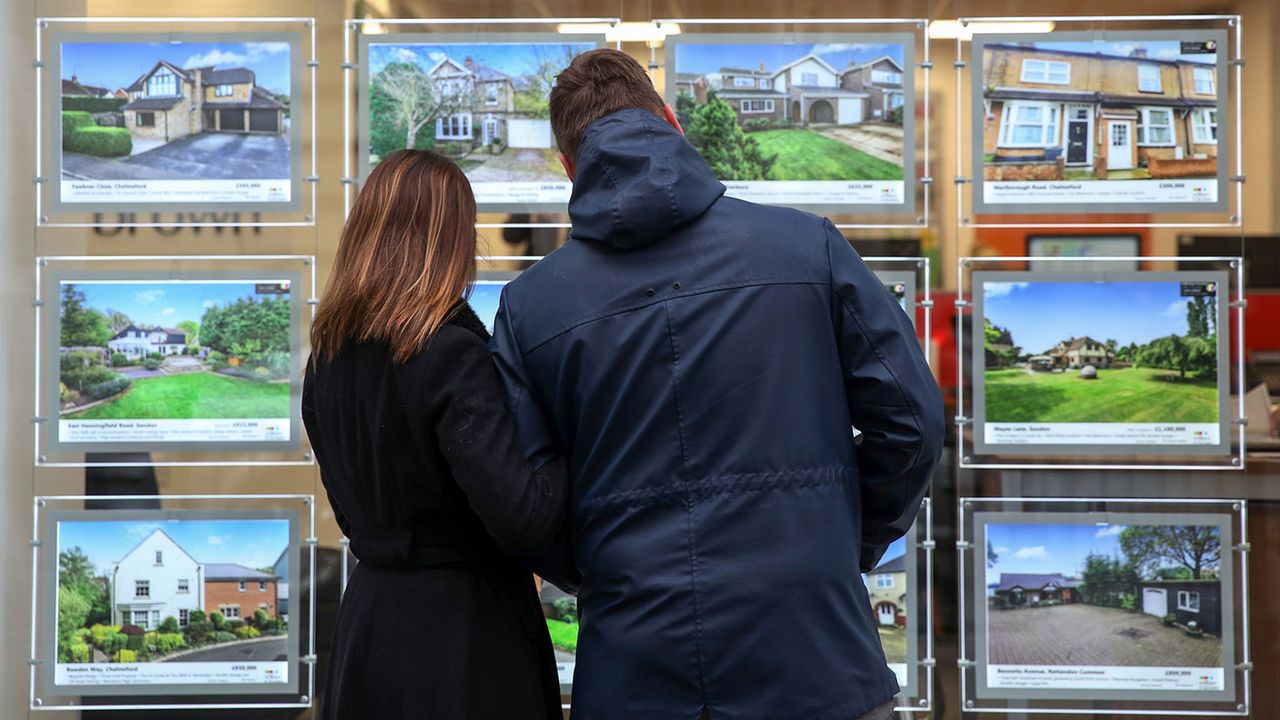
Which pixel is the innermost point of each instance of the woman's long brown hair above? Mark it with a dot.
(407, 257)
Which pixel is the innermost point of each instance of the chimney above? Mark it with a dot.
(469, 62)
(761, 68)
(1138, 52)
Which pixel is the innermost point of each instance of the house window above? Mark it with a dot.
(145, 119)
(757, 106)
(744, 82)
(162, 84)
(1029, 124)
(141, 618)
(184, 617)
(764, 83)
(1205, 82)
(886, 77)
(222, 91)
(184, 585)
(1051, 72)
(242, 584)
(159, 557)
(1149, 78)
(262, 586)
(1189, 600)
(491, 94)
(808, 78)
(454, 127)
(142, 588)
(1204, 125)
(896, 101)
(1155, 126)
(230, 612)
(884, 581)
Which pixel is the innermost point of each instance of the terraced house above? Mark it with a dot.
(1053, 114)
(169, 102)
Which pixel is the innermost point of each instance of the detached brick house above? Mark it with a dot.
(168, 102)
(1078, 352)
(887, 590)
(1032, 589)
(804, 92)
(1048, 111)
(881, 80)
(489, 114)
(238, 592)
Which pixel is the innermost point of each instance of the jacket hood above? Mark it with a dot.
(638, 180)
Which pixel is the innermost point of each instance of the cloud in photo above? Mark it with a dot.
(1001, 289)
(146, 297)
(215, 57)
(1109, 530)
(216, 540)
(1002, 549)
(1028, 553)
(168, 312)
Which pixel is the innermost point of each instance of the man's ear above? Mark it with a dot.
(669, 114)
(568, 166)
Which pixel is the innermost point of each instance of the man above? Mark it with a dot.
(700, 360)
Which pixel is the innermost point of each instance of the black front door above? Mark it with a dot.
(1077, 142)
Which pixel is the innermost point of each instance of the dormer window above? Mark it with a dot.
(743, 82)
(162, 84)
(222, 91)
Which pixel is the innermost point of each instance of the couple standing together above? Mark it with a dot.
(663, 427)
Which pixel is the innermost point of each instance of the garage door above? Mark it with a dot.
(264, 121)
(1155, 601)
(231, 119)
(529, 133)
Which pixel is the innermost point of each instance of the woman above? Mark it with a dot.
(423, 470)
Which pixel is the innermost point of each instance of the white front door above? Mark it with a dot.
(885, 614)
(489, 130)
(1155, 601)
(1119, 145)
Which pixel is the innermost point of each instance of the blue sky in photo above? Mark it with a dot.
(710, 57)
(513, 59)
(117, 64)
(1062, 549)
(164, 304)
(1040, 313)
(253, 543)
(484, 300)
(1157, 49)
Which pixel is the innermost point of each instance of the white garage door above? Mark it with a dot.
(1155, 601)
(850, 111)
(529, 133)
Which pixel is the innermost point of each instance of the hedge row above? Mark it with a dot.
(92, 105)
(73, 120)
(99, 141)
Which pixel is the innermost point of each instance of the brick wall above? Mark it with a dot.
(218, 593)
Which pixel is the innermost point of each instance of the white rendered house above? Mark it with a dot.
(156, 580)
(137, 342)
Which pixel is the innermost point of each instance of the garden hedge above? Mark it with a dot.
(99, 141)
(73, 120)
(92, 105)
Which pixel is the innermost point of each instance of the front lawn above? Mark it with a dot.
(894, 641)
(1134, 395)
(563, 635)
(806, 155)
(203, 395)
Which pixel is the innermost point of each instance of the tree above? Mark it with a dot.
(75, 572)
(1112, 345)
(117, 321)
(73, 611)
(82, 326)
(992, 557)
(1174, 352)
(413, 100)
(532, 99)
(1197, 317)
(732, 154)
(685, 105)
(1195, 547)
(263, 321)
(192, 329)
(1107, 580)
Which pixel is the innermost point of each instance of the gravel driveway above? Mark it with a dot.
(1088, 635)
(213, 156)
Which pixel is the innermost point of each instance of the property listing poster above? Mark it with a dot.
(1130, 606)
(1089, 121)
(172, 604)
(901, 284)
(175, 361)
(176, 120)
(890, 590)
(482, 103)
(1125, 360)
(804, 120)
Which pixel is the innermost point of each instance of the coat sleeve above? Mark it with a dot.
(521, 507)
(892, 396)
(555, 561)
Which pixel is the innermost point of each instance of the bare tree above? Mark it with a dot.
(418, 99)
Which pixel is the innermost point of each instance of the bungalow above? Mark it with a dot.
(484, 100)
(1198, 601)
(155, 580)
(881, 79)
(75, 88)
(804, 92)
(238, 592)
(136, 342)
(1048, 110)
(887, 590)
(1075, 353)
(168, 102)
(1032, 589)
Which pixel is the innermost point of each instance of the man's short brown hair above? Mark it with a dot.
(597, 83)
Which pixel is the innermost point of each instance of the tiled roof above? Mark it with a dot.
(898, 564)
(226, 76)
(151, 103)
(1035, 581)
(232, 571)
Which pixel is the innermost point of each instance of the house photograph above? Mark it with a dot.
(889, 589)
(1104, 594)
(485, 105)
(1098, 111)
(174, 350)
(170, 590)
(175, 110)
(798, 111)
(1100, 352)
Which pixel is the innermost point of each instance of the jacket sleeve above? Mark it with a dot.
(554, 561)
(893, 399)
(521, 507)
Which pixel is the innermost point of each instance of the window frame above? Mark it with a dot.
(184, 586)
(218, 90)
(743, 82)
(805, 75)
(886, 77)
(1213, 80)
(446, 123)
(139, 585)
(169, 78)
(1046, 76)
(1187, 606)
(884, 581)
(1050, 126)
(137, 122)
(226, 614)
(184, 617)
(767, 106)
(1159, 88)
(159, 558)
(491, 94)
(1200, 122)
(1142, 136)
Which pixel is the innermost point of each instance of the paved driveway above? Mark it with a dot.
(1088, 635)
(259, 651)
(880, 140)
(216, 156)
(515, 165)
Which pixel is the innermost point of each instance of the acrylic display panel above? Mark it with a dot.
(1107, 605)
(1106, 121)
(1100, 363)
(480, 98)
(1083, 246)
(202, 603)
(825, 121)
(183, 360)
(902, 285)
(206, 124)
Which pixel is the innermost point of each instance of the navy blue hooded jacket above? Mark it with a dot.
(700, 360)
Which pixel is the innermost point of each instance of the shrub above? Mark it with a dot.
(73, 120)
(155, 356)
(125, 656)
(219, 621)
(234, 625)
(895, 115)
(279, 364)
(99, 141)
(216, 360)
(80, 652)
(113, 642)
(65, 394)
(169, 642)
(261, 373)
(91, 104)
(565, 609)
(196, 616)
(150, 639)
(782, 123)
(223, 636)
(84, 635)
(132, 630)
(170, 625)
(199, 631)
(119, 359)
(151, 364)
(114, 386)
(260, 618)
(246, 632)
(79, 360)
(98, 632)
(82, 378)
(1129, 601)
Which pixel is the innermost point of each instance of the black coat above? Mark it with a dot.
(700, 361)
(425, 477)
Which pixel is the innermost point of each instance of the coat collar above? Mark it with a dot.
(464, 317)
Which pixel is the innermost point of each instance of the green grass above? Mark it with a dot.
(563, 635)
(1121, 395)
(894, 641)
(197, 395)
(806, 155)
